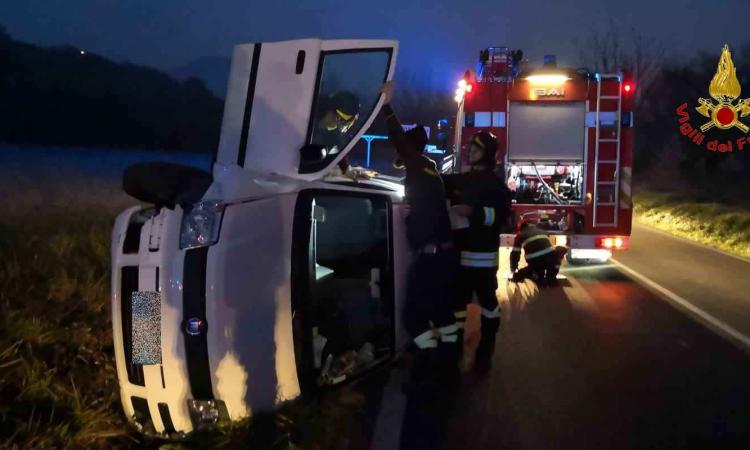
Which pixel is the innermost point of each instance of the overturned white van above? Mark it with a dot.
(245, 287)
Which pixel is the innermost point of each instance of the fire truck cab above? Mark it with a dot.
(565, 145)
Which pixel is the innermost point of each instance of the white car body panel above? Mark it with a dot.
(249, 306)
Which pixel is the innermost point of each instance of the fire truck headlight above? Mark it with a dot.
(200, 225)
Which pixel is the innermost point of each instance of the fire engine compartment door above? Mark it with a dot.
(276, 93)
(546, 131)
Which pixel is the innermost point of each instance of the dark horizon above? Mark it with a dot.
(439, 42)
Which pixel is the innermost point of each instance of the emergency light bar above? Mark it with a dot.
(548, 79)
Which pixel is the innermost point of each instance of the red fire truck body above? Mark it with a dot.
(565, 143)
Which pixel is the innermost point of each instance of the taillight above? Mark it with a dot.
(612, 242)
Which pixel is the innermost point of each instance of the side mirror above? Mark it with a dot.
(314, 157)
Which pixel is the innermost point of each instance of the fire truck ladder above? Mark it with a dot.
(610, 185)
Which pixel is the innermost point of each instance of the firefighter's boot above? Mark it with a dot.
(483, 355)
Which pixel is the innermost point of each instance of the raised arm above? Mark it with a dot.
(406, 151)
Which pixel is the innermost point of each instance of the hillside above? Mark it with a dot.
(62, 96)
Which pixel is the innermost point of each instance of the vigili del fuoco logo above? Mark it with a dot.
(723, 112)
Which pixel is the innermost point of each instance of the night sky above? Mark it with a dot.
(439, 38)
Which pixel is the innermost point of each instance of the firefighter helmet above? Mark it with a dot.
(346, 106)
(488, 143)
(417, 137)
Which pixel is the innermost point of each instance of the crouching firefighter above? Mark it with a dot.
(483, 199)
(427, 313)
(542, 259)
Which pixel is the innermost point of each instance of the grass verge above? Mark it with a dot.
(722, 226)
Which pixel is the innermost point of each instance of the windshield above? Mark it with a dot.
(348, 91)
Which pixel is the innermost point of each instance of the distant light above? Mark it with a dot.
(82, 52)
(548, 79)
(627, 87)
(468, 88)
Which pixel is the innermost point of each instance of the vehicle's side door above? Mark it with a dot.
(284, 96)
(342, 285)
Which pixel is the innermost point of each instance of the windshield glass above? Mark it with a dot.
(347, 94)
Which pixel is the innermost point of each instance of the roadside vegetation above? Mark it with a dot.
(721, 225)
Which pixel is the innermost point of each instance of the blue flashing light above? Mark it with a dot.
(597, 77)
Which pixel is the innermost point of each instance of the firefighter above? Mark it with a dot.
(483, 199)
(427, 313)
(542, 259)
(336, 115)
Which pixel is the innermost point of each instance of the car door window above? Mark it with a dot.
(348, 91)
(347, 303)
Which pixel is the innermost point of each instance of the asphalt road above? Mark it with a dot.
(606, 362)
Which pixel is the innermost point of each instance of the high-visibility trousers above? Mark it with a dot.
(483, 282)
(428, 312)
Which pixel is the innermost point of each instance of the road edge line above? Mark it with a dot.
(717, 326)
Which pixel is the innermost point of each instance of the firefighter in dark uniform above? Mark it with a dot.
(428, 315)
(336, 114)
(483, 199)
(542, 259)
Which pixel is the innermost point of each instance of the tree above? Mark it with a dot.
(609, 50)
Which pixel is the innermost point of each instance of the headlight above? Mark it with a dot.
(206, 414)
(200, 225)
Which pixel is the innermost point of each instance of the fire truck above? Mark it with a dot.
(565, 146)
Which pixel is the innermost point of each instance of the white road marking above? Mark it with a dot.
(718, 326)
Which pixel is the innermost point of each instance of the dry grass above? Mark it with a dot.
(723, 226)
(57, 377)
